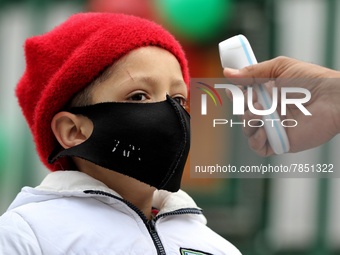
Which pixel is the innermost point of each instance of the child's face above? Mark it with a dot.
(146, 74)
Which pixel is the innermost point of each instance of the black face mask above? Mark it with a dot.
(147, 141)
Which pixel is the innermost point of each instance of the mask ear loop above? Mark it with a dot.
(53, 156)
(60, 162)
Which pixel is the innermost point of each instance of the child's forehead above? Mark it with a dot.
(148, 69)
(145, 60)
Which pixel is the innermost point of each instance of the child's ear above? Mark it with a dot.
(70, 129)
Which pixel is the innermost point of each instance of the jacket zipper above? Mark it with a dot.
(150, 224)
(179, 212)
(155, 237)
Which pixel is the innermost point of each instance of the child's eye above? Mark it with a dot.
(138, 97)
(181, 100)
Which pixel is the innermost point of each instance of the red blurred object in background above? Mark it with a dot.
(141, 8)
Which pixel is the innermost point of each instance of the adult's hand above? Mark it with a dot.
(324, 105)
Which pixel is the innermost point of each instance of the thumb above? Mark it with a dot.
(265, 70)
(261, 70)
(254, 74)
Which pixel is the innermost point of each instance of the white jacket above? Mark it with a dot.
(72, 213)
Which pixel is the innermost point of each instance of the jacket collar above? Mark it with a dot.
(74, 183)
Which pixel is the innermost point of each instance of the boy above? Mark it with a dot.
(104, 96)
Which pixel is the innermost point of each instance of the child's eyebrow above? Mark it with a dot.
(153, 80)
(179, 83)
(142, 78)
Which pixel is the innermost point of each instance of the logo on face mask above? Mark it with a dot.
(127, 150)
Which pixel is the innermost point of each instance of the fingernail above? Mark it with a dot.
(231, 71)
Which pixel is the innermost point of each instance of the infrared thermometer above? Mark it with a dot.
(237, 53)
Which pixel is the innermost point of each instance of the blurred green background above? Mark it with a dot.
(260, 216)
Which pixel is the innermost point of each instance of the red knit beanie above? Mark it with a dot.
(65, 60)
